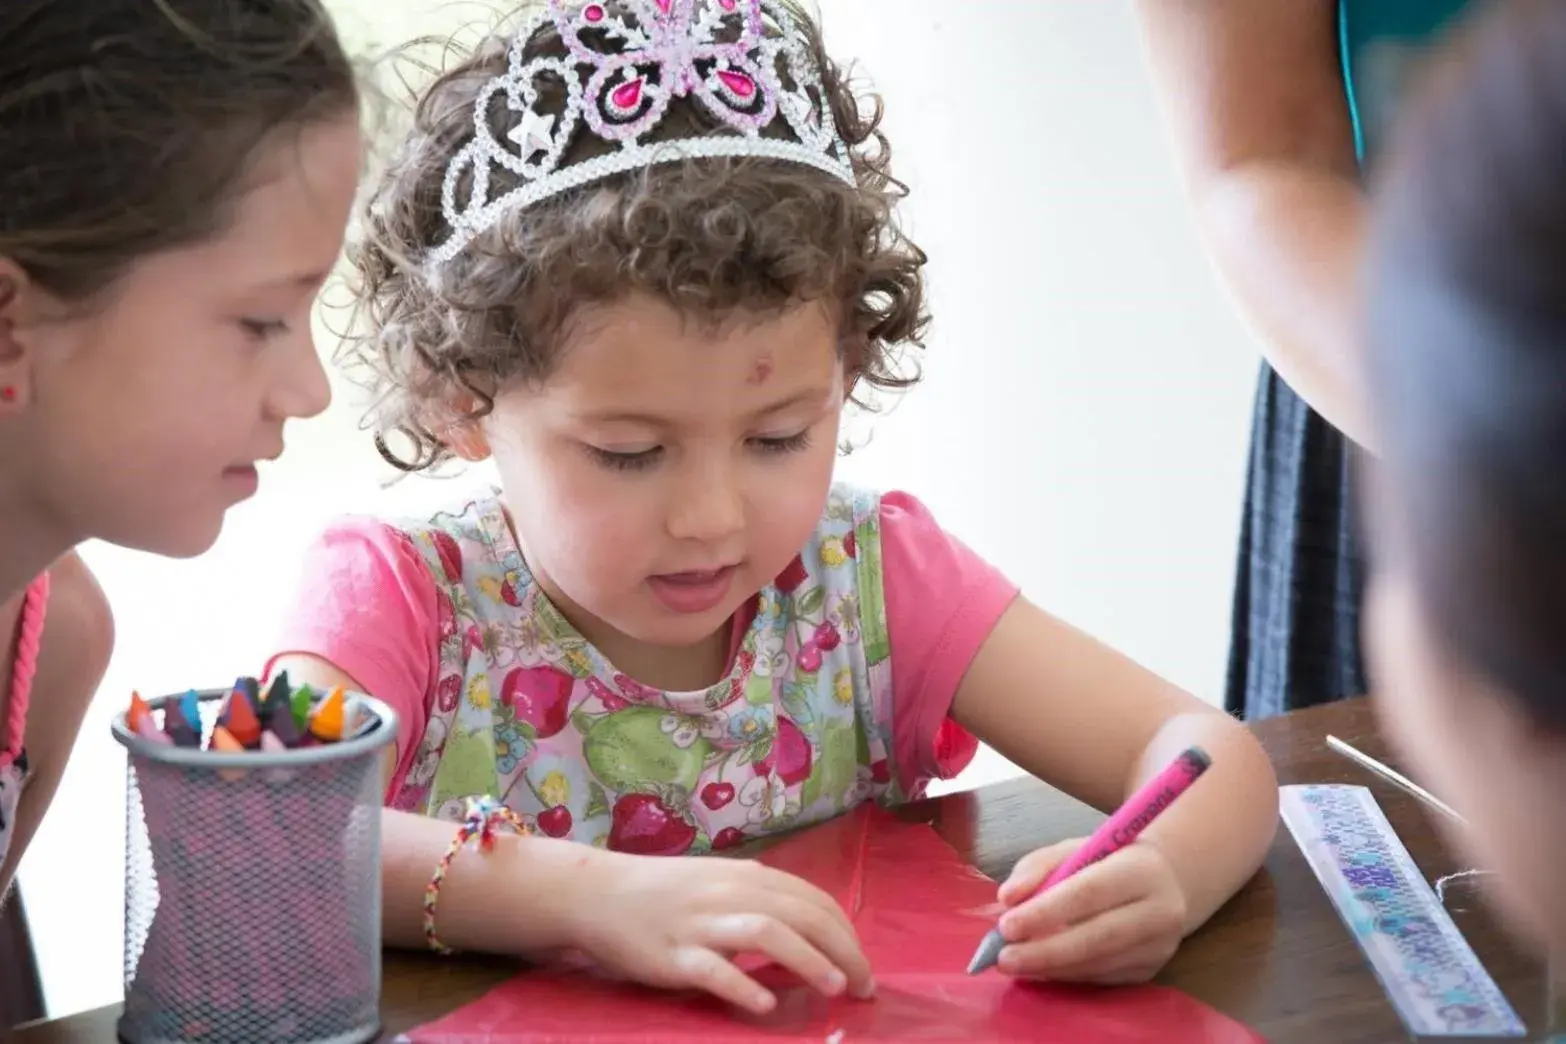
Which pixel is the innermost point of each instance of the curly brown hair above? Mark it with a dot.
(710, 236)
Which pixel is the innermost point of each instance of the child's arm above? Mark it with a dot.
(665, 922)
(78, 638)
(1089, 721)
(1254, 94)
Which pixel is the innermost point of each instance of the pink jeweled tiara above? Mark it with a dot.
(717, 50)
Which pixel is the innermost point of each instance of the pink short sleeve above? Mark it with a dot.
(942, 602)
(368, 605)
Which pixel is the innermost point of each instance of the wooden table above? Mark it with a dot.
(1276, 957)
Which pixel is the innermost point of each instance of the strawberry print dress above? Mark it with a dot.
(526, 709)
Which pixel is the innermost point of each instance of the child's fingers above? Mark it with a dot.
(1033, 868)
(1122, 969)
(1125, 969)
(820, 919)
(1112, 937)
(759, 933)
(1103, 886)
(699, 968)
(788, 884)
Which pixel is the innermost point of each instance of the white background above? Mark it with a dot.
(1083, 423)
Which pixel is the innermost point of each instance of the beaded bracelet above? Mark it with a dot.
(484, 815)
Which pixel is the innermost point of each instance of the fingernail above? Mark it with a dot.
(834, 982)
(765, 1001)
(866, 991)
(1008, 928)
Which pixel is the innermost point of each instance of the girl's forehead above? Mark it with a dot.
(641, 338)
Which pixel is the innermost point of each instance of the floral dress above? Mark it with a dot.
(800, 730)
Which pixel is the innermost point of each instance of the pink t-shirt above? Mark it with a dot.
(368, 605)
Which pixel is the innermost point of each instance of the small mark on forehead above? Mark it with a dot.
(762, 370)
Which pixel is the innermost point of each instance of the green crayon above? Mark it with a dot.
(303, 700)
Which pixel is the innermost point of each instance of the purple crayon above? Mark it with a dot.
(178, 722)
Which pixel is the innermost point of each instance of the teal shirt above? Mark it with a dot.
(1381, 41)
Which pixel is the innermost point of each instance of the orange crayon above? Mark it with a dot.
(138, 716)
(329, 718)
(223, 742)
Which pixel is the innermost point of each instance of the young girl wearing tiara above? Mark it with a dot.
(641, 255)
(176, 180)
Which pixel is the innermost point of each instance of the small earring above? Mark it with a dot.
(7, 393)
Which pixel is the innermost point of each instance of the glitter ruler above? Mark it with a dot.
(1429, 971)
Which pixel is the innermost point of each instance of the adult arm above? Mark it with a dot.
(1253, 94)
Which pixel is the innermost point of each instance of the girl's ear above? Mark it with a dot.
(467, 440)
(459, 427)
(16, 360)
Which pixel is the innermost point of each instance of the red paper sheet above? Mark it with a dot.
(919, 911)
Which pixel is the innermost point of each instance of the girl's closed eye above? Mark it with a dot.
(263, 329)
(782, 443)
(625, 460)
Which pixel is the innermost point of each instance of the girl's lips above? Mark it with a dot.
(693, 591)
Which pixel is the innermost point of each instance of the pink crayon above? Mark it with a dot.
(151, 733)
(1116, 832)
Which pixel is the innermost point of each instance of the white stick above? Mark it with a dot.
(1394, 777)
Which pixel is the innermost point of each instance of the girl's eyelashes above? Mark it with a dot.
(638, 460)
(641, 460)
(783, 443)
(263, 329)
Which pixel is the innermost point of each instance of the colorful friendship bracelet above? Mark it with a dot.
(484, 815)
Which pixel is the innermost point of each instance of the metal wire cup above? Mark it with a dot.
(253, 888)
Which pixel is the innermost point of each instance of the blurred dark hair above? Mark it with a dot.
(1467, 350)
(127, 127)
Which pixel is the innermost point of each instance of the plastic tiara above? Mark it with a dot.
(717, 50)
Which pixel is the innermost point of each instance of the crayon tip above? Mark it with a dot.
(149, 731)
(138, 715)
(239, 718)
(190, 707)
(224, 742)
(988, 953)
(353, 715)
(277, 699)
(282, 726)
(182, 734)
(270, 742)
(180, 728)
(328, 721)
(302, 699)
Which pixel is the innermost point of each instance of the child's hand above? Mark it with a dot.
(677, 922)
(1117, 921)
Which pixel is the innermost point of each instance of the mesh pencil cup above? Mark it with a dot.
(253, 888)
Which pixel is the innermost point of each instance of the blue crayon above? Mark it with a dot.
(190, 707)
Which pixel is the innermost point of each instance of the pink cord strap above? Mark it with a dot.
(29, 641)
